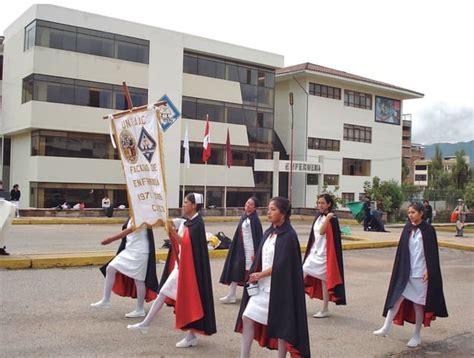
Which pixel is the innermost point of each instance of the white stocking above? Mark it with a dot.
(141, 292)
(324, 288)
(232, 289)
(248, 329)
(419, 313)
(392, 312)
(155, 308)
(281, 348)
(109, 282)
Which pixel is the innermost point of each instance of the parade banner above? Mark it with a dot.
(140, 142)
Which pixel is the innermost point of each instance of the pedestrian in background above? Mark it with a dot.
(15, 195)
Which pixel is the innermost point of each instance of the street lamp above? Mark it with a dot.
(290, 181)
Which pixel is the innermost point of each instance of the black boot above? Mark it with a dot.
(3, 251)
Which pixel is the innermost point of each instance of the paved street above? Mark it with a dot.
(33, 239)
(46, 312)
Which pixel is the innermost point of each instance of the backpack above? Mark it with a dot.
(225, 241)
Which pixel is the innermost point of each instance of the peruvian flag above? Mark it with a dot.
(206, 143)
(228, 150)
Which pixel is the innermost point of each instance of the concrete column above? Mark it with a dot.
(276, 173)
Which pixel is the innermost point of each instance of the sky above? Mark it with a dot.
(425, 46)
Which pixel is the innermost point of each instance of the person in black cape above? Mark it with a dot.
(415, 293)
(245, 243)
(186, 281)
(323, 265)
(276, 316)
(132, 272)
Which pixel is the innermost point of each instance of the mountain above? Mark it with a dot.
(448, 149)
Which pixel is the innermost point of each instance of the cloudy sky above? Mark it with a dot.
(422, 45)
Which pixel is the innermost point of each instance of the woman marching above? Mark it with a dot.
(242, 250)
(276, 315)
(323, 265)
(186, 281)
(415, 293)
(132, 272)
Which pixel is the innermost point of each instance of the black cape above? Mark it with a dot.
(234, 267)
(287, 308)
(123, 286)
(200, 256)
(335, 266)
(435, 303)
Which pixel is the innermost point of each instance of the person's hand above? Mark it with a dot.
(106, 241)
(254, 277)
(425, 276)
(330, 216)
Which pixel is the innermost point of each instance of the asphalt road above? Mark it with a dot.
(46, 313)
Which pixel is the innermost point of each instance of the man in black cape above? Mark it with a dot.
(287, 309)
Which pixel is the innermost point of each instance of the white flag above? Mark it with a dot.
(187, 161)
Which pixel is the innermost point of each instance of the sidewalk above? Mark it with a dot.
(67, 242)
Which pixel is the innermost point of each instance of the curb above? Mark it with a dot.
(120, 220)
(94, 258)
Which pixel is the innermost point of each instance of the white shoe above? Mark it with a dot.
(101, 304)
(227, 299)
(138, 327)
(414, 342)
(383, 332)
(136, 313)
(186, 344)
(322, 314)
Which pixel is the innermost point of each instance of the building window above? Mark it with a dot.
(356, 167)
(77, 92)
(347, 197)
(420, 167)
(93, 42)
(72, 145)
(362, 196)
(420, 177)
(316, 89)
(256, 83)
(331, 179)
(357, 133)
(1, 67)
(357, 99)
(312, 179)
(323, 144)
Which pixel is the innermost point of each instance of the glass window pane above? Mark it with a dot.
(60, 93)
(269, 79)
(190, 64)
(54, 38)
(235, 115)
(96, 45)
(189, 109)
(249, 94)
(232, 72)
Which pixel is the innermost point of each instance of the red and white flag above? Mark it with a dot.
(228, 150)
(206, 143)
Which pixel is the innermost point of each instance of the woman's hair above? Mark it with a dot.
(255, 201)
(283, 205)
(329, 199)
(417, 207)
(192, 199)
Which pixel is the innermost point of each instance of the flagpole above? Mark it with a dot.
(205, 184)
(225, 188)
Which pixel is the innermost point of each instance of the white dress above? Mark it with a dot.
(170, 287)
(257, 307)
(315, 264)
(416, 289)
(133, 260)
(248, 243)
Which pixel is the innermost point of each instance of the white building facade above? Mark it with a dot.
(349, 124)
(63, 71)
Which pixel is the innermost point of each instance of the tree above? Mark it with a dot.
(386, 192)
(469, 194)
(461, 172)
(436, 170)
(405, 171)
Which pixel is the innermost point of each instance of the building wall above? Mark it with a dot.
(326, 118)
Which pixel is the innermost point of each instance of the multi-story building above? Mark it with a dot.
(63, 71)
(350, 125)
